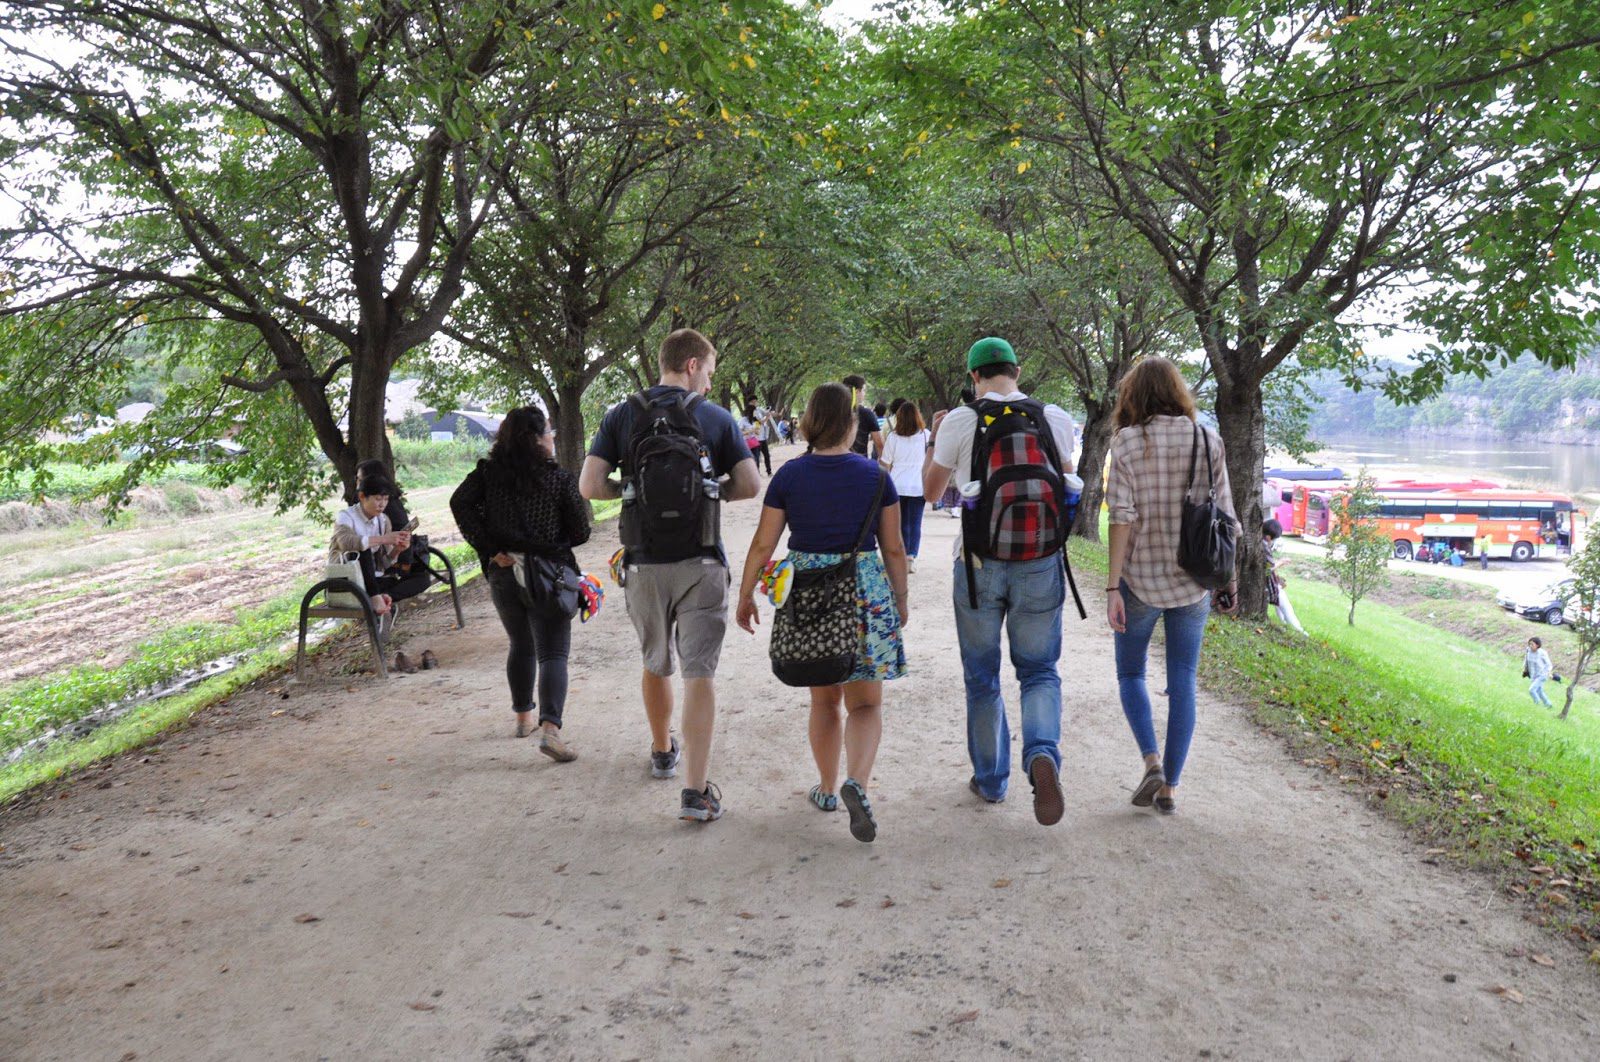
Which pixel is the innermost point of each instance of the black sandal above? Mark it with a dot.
(1166, 805)
(1154, 778)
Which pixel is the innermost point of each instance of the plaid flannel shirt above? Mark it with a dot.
(1145, 487)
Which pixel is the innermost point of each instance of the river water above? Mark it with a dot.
(1555, 466)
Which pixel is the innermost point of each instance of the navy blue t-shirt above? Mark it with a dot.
(825, 500)
(717, 427)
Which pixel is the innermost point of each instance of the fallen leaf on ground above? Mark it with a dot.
(306, 919)
(1542, 960)
(1505, 993)
(845, 903)
(887, 902)
(1001, 883)
(746, 915)
(518, 914)
(421, 1006)
(561, 868)
(963, 1018)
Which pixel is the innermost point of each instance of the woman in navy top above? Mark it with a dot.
(823, 498)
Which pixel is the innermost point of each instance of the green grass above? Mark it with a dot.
(1438, 725)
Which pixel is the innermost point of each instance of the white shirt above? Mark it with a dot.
(357, 521)
(905, 456)
(952, 447)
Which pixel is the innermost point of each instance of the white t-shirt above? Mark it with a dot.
(952, 447)
(905, 455)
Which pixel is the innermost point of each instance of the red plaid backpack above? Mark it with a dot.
(1020, 512)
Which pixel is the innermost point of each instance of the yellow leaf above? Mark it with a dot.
(1022, 167)
(750, 61)
(663, 47)
(658, 12)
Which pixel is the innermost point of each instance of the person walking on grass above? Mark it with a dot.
(519, 501)
(1536, 668)
(1004, 439)
(675, 449)
(1156, 436)
(1277, 591)
(905, 453)
(825, 498)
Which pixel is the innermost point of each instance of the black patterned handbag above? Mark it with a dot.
(816, 635)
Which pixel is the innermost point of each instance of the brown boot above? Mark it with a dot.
(402, 662)
(429, 661)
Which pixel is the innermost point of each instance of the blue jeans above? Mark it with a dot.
(1027, 597)
(1185, 628)
(911, 523)
(1536, 691)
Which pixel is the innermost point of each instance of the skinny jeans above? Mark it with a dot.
(539, 646)
(911, 523)
(1185, 628)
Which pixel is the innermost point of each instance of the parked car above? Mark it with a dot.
(1546, 604)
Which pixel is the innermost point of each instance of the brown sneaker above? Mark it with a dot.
(402, 662)
(1048, 803)
(552, 745)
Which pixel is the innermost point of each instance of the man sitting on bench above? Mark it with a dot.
(364, 529)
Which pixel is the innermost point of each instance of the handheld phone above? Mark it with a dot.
(411, 524)
(1224, 600)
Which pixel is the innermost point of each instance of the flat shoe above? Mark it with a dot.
(863, 827)
(1048, 803)
(972, 784)
(429, 661)
(1166, 805)
(552, 745)
(402, 662)
(524, 728)
(823, 801)
(1149, 785)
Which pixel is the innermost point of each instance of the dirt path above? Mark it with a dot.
(474, 900)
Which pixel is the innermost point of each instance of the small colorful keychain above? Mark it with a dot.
(776, 578)
(591, 596)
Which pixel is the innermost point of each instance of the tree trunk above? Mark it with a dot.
(1091, 468)
(1572, 682)
(366, 435)
(1242, 425)
(571, 442)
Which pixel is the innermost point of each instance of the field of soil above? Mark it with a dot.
(87, 594)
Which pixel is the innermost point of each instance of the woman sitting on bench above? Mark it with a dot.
(364, 528)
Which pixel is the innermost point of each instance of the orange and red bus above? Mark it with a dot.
(1308, 518)
(1520, 524)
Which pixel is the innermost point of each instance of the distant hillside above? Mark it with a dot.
(1524, 399)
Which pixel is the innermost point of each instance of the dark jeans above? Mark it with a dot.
(398, 586)
(534, 638)
(911, 523)
(763, 453)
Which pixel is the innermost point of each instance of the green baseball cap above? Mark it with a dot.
(990, 351)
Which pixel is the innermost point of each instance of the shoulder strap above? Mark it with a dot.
(866, 525)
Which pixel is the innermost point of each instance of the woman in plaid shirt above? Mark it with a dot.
(1145, 489)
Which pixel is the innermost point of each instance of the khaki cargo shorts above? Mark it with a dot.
(684, 603)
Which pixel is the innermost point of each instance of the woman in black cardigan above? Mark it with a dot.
(519, 500)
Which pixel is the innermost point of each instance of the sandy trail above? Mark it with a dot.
(475, 900)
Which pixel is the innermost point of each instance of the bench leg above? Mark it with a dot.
(377, 643)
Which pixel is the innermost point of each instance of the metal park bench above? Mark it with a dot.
(377, 628)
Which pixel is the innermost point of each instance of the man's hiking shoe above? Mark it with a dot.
(1048, 803)
(863, 827)
(704, 806)
(1149, 785)
(972, 784)
(665, 764)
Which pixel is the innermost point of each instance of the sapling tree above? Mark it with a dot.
(1581, 611)
(1358, 550)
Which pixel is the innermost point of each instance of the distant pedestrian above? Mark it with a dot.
(1536, 668)
(674, 448)
(517, 502)
(754, 427)
(1484, 542)
(1150, 461)
(1277, 592)
(905, 452)
(825, 498)
(868, 433)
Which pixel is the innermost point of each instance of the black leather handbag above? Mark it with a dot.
(548, 587)
(816, 635)
(1206, 538)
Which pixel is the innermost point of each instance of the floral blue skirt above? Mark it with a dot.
(882, 654)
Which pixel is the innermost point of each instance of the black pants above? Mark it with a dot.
(399, 586)
(534, 639)
(763, 453)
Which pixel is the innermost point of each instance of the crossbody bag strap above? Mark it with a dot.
(1211, 472)
(866, 525)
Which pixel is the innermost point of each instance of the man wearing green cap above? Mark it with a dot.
(1024, 595)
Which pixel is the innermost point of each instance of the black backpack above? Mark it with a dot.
(1021, 509)
(671, 513)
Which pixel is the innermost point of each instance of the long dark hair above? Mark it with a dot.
(516, 445)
